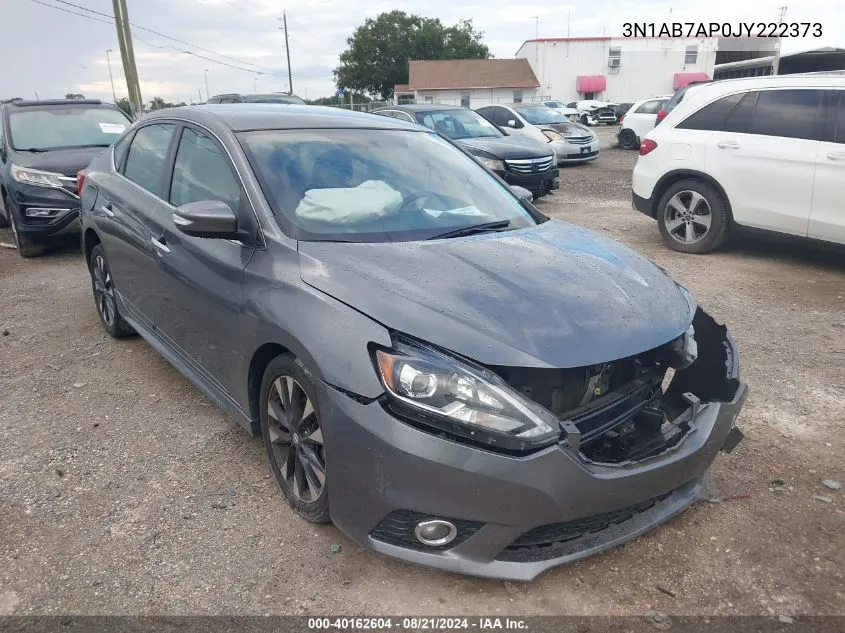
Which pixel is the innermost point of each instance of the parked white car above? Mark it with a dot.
(592, 112)
(639, 120)
(561, 108)
(765, 153)
(572, 142)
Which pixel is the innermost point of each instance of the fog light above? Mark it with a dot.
(435, 532)
(41, 212)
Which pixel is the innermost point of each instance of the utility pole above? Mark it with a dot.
(776, 62)
(111, 78)
(199, 95)
(207, 93)
(127, 55)
(287, 51)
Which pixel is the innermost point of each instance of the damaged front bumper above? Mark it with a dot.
(516, 516)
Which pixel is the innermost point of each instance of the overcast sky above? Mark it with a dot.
(51, 52)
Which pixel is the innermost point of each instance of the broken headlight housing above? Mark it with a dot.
(450, 394)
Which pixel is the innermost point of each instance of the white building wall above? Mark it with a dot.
(647, 66)
(478, 97)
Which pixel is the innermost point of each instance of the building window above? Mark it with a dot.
(691, 56)
(429, 99)
(465, 99)
(614, 57)
(517, 96)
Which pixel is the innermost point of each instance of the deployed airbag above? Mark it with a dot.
(371, 200)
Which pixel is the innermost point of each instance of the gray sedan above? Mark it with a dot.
(431, 363)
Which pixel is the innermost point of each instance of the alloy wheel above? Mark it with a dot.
(103, 290)
(296, 439)
(687, 217)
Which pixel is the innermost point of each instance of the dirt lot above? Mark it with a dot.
(124, 491)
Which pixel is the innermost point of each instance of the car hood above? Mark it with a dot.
(570, 129)
(508, 147)
(61, 161)
(552, 295)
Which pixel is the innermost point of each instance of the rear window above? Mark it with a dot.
(62, 127)
(272, 99)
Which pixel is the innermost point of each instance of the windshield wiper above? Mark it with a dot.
(35, 150)
(498, 225)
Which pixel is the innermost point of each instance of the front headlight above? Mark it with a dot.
(36, 177)
(552, 135)
(462, 398)
(491, 163)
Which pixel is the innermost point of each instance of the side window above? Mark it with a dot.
(739, 120)
(120, 149)
(839, 120)
(649, 107)
(147, 157)
(489, 113)
(787, 113)
(713, 116)
(202, 172)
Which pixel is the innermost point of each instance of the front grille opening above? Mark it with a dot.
(560, 539)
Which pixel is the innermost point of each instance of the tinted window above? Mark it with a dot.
(788, 113)
(739, 119)
(713, 115)
(120, 149)
(57, 127)
(650, 107)
(375, 185)
(202, 172)
(147, 156)
(839, 119)
(496, 115)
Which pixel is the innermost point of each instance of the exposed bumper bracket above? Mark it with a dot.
(735, 436)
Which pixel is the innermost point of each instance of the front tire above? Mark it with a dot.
(585, 120)
(693, 217)
(105, 297)
(628, 140)
(293, 437)
(26, 246)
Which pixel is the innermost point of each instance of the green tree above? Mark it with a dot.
(157, 103)
(74, 95)
(124, 105)
(377, 54)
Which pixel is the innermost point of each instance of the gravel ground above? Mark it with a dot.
(124, 491)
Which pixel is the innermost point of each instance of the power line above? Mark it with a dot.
(168, 37)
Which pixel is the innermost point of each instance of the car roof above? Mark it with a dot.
(55, 102)
(816, 80)
(241, 117)
(421, 107)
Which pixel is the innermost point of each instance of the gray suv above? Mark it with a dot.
(432, 364)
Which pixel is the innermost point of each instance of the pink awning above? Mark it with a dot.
(682, 79)
(590, 83)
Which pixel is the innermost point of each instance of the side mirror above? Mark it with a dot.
(512, 123)
(207, 218)
(522, 193)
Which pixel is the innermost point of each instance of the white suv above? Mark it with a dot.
(638, 121)
(762, 153)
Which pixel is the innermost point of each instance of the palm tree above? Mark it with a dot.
(158, 103)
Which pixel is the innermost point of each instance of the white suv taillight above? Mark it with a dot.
(646, 146)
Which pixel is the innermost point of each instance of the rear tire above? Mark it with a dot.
(293, 437)
(27, 247)
(628, 140)
(102, 284)
(693, 217)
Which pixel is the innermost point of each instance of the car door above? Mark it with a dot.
(126, 200)
(642, 120)
(201, 279)
(827, 217)
(764, 157)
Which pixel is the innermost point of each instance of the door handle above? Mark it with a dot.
(836, 156)
(727, 145)
(107, 210)
(161, 247)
